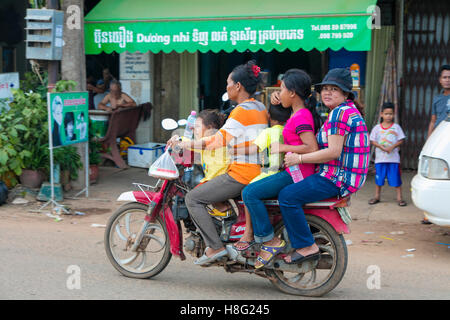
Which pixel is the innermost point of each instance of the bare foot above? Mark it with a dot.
(244, 242)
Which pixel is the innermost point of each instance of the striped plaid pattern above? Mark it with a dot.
(349, 172)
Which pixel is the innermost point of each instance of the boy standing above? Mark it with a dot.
(387, 137)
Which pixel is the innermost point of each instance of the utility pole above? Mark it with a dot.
(53, 65)
(73, 63)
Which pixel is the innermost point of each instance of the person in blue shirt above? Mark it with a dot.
(440, 108)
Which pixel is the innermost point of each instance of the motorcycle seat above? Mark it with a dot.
(335, 202)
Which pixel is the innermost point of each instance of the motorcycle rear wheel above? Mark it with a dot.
(120, 232)
(316, 282)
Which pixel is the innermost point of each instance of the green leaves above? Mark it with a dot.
(3, 157)
(24, 130)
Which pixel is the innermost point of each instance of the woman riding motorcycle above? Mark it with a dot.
(242, 126)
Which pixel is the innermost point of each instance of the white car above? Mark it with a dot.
(431, 185)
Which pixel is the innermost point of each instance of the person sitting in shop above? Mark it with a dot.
(116, 99)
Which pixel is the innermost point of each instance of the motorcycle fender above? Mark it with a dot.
(174, 231)
(332, 217)
(137, 196)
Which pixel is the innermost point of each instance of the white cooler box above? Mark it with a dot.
(143, 155)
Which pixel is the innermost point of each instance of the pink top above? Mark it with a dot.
(301, 121)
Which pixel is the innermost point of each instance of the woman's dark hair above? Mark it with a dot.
(300, 82)
(248, 75)
(212, 118)
(278, 113)
(68, 117)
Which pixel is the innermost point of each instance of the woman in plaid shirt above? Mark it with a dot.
(343, 159)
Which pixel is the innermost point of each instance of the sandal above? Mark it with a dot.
(402, 203)
(247, 245)
(374, 201)
(273, 250)
(204, 259)
(297, 258)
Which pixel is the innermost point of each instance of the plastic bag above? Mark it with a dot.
(164, 168)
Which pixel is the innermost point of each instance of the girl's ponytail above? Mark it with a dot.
(310, 104)
(300, 82)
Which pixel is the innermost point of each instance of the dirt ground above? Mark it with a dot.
(383, 234)
(384, 225)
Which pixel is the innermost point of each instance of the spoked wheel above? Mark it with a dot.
(314, 279)
(151, 257)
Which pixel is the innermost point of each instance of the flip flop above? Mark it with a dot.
(248, 245)
(402, 203)
(374, 201)
(273, 250)
(297, 258)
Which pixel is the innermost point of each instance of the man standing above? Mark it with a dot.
(440, 108)
(441, 103)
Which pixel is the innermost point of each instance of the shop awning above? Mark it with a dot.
(204, 25)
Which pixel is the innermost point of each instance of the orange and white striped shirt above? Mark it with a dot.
(243, 125)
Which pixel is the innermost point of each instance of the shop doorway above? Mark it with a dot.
(214, 69)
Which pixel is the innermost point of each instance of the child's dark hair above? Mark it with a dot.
(387, 105)
(212, 118)
(300, 82)
(248, 75)
(278, 113)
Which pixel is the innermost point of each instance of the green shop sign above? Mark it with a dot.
(153, 26)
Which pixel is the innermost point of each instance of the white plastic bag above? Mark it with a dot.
(164, 168)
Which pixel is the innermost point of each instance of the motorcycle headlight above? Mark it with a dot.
(434, 168)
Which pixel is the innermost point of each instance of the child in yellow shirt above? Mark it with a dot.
(214, 162)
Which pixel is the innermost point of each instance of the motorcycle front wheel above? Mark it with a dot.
(328, 272)
(151, 257)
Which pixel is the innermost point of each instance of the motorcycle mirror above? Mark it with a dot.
(169, 124)
(182, 122)
(225, 97)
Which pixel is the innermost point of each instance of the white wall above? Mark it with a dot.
(136, 76)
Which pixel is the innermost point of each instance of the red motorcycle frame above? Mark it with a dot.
(324, 217)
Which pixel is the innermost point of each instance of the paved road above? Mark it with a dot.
(36, 253)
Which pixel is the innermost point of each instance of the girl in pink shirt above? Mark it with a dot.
(299, 137)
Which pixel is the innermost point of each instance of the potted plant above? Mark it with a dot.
(29, 110)
(37, 166)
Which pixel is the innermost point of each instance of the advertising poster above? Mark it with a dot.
(8, 81)
(68, 115)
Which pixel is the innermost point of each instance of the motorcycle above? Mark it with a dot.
(143, 234)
